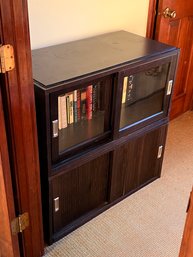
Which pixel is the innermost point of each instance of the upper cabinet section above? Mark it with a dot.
(90, 92)
(80, 116)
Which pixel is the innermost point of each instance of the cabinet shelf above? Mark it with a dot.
(81, 131)
(109, 97)
(142, 109)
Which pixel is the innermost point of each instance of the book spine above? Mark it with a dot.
(89, 102)
(68, 109)
(83, 103)
(59, 113)
(125, 82)
(62, 117)
(101, 97)
(94, 98)
(98, 96)
(71, 113)
(78, 105)
(75, 106)
(63, 111)
(130, 94)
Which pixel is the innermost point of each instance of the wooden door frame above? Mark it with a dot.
(8, 243)
(151, 18)
(187, 240)
(18, 95)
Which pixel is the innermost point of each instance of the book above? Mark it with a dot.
(69, 108)
(101, 95)
(125, 83)
(89, 102)
(78, 105)
(131, 91)
(75, 110)
(83, 103)
(62, 117)
(98, 96)
(94, 98)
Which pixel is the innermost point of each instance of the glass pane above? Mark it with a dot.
(80, 115)
(143, 94)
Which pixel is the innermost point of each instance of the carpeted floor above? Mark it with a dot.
(150, 222)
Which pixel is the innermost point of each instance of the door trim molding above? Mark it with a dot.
(18, 93)
(8, 244)
(151, 18)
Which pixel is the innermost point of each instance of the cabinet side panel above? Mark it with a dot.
(43, 154)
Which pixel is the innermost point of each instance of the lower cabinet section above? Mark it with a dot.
(79, 194)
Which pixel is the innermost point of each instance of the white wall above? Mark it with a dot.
(56, 21)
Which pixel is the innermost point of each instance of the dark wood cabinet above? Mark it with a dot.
(102, 109)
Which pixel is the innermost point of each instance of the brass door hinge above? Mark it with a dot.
(20, 223)
(7, 62)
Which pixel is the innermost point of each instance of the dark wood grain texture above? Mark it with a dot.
(18, 94)
(80, 191)
(136, 163)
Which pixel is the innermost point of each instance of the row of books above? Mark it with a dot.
(78, 105)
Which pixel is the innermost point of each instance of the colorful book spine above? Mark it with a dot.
(62, 116)
(89, 102)
(98, 96)
(59, 112)
(83, 103)
(125, 82)
(94, 99)
(75, 106)
(69, 107)
(78, 105)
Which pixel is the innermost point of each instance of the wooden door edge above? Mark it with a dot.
(151, 19)
(187, 239)
(9, 245)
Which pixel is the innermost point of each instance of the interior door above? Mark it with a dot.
(186, 249)
(8, 243)
(174, 25)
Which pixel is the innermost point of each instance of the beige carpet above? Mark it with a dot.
(150, 222)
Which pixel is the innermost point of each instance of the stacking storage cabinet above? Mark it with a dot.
(102, 108)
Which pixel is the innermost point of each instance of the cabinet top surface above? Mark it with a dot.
(60, 63)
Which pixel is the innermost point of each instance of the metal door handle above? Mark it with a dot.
(168, 13)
